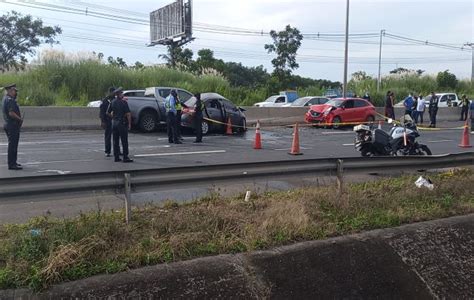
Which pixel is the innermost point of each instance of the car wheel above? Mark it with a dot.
(243, 126)
(336, 121)
(370, 119)
(148, 122)
(205, 127)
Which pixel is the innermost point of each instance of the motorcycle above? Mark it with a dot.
(400, 141)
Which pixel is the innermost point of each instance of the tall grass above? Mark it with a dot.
(404, 85)
(57, 80)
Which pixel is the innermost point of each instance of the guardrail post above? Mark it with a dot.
(128, 197)
(340, 176)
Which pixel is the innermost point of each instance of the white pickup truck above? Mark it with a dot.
(446, 99)
(285, 97)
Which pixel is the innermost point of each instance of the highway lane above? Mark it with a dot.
(43, 153)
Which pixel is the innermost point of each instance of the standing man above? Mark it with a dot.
(409, 103)
(106, 121)
(170, 106)
(420, 109)
(121, 124)
(389, 112)
(12, 125)
(198, 117)
(465, 108)
(433, 109)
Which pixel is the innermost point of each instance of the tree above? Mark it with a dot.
(360, 76)
(19, 36)
(285, 44)
(138, 65)
(177, 58)
(446, 80)
(118, 62)
(400, 71)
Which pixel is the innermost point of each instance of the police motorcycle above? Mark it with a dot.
(400, 141)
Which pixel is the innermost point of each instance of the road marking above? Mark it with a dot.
(180, 153)
(336, 132)
(351, 144)
(289, 148)
(57, 161)
(440, 141)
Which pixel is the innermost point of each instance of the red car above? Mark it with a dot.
(339, 110)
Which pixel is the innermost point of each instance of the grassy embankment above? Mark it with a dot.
(46, 250)
(75, 83)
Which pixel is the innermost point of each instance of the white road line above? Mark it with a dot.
(289, 148)
(180, 153)
(440, 141)
(336, 132)
(351, 144)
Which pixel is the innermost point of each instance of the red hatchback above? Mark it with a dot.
(339, 110)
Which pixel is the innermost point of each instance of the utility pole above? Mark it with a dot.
(382, 33)
(472, 60)
(346, 52)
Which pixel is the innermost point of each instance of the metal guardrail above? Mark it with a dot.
(142, 180)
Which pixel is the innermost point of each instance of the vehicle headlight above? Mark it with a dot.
(327, 111)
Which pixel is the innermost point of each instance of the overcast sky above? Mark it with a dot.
(446, 22)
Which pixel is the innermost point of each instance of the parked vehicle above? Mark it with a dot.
(444, 100)
(339, 110)
(127, 93)
(306, 101)
(400, 141)
(218, 109)
(337, 93)
(148, 112)
(285, 97)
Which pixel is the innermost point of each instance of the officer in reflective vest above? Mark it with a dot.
(170, 106)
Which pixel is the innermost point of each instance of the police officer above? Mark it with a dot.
(106, 121)
(170, 106)
(465, 108)
(198, 117)
(433, 109)
(13, 122)
(179, 113)
(121, 124)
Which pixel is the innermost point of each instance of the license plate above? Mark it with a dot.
(361, 127)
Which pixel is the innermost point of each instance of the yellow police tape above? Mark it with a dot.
(384, 118)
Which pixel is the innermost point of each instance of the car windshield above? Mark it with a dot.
(271, 99)
(335, 102)
(300, 101)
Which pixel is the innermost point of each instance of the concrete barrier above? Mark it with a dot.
(83, 118)
(430, 260)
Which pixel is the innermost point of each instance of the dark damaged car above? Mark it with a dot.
(217, 110)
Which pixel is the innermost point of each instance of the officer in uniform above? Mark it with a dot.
(198, 117)
(106, 121)
(433, 109)
(170, 106)
(13, 122)
(121, 124)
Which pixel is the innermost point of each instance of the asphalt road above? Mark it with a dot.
(43, 153)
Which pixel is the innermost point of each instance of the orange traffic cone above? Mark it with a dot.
(295, 146)
(258, 141)
(465, 137)
(229, 127)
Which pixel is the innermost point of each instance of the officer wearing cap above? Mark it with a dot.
(121, 124)
(106, 121)
(198, 117)
(12, 125)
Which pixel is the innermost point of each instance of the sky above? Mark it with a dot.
(448, 22)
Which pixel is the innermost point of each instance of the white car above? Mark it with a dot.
(127, 93)
(273, 101)
(307, 101)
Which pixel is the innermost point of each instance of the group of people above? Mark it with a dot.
(415, 107)
(173, 107)
(116, 120)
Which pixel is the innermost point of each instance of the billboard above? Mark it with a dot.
(171, 22)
